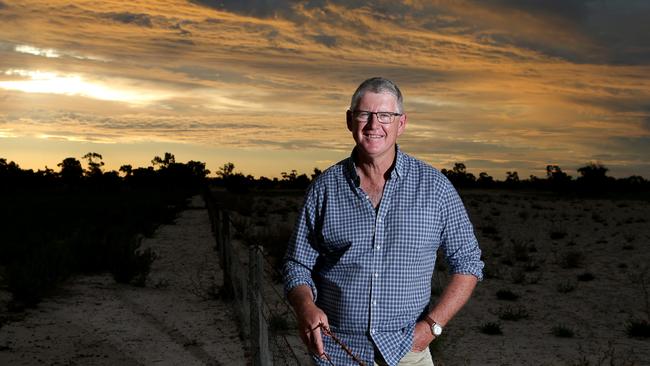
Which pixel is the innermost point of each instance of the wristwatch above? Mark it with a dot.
(436, 329)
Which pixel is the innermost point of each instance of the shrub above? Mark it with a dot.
(638, 328)
(489, 230)
(507, 295)
(565, 287)
(491, 328)
(36, 273)
(130, 264)
(562, 331)
(520, 251)
(572, 259)
(558, 234)
(512, 313)
(585, 277)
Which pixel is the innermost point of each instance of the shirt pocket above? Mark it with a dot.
(343, 238)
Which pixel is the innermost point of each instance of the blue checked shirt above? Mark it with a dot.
(370, 270)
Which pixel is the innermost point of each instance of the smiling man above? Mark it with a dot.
(360, 261)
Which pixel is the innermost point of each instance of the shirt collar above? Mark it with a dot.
(398, 169)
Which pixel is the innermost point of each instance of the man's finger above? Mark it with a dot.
(317, 341)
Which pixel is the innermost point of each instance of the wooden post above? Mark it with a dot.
(226, 254)
(259, 327)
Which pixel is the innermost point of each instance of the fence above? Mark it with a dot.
(263, 313)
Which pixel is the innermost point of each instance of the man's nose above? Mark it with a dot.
(373, 120)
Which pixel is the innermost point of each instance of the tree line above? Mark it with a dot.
(165, 171)
(592, 177)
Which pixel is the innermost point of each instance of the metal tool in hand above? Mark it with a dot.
(347, 350)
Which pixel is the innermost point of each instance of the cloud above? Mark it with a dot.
(329, 41)
(139, 19)
(571, 9)
(495, 79)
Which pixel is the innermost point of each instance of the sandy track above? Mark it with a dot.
(94, 321)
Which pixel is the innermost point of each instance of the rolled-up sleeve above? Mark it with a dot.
(458, 242)
(301, 252)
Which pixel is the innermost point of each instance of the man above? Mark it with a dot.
(360, 261)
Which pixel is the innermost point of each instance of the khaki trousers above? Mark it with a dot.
(410, 359)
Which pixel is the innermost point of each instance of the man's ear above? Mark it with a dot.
(402, 123)
(348, 119)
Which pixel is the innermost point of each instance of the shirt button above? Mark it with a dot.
(378, 247)
(374, 302)
(376, 274)
(367, 197)
(372, 331)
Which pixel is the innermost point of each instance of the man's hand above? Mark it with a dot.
(310, 319)
(422, 336)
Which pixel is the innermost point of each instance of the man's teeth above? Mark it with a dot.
(374, 136)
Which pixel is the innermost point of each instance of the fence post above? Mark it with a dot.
(259, 327)
(226, 255)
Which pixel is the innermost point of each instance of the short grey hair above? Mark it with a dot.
(377, 85)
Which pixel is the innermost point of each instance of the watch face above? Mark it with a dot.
(436, 329)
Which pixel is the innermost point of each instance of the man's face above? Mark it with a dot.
(375, 139)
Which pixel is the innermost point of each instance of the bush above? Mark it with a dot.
(512, 313)
(562, 331)
(638, 328)
(36, 274)
(491, 328)
(565, 287)
(558, 234)
(572, 259)
(129, 264)
(507, 295)
(585, 277)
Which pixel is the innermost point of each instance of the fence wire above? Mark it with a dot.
(277, 314)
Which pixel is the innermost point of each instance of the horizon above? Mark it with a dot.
(497, 85)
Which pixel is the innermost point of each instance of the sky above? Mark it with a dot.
(500, 85)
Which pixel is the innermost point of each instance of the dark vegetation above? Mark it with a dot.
(592, 179)
(76, 220)
(491, 328)
(562, 331)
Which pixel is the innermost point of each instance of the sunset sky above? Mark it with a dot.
(500, 85)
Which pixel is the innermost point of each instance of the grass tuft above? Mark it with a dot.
(507, 295)
(638, 328)
(586, 277)
(562, 331)
(491, 328)
(565, 287)
(512, 313)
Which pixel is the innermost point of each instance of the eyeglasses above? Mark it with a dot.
(383, 117)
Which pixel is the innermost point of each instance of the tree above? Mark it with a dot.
(316, 173)
(226, 170)
(71, 170)
(95, 164)
(484, 180)
(593, 172)
(512, 177)
(556, 177)
(458, 175)
(593, 176)
(127, 169)
(197, 168)
(165, 162)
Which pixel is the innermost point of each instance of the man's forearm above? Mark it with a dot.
(453, 298)
(300, 296)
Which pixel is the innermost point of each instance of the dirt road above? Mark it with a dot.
(172, 321)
